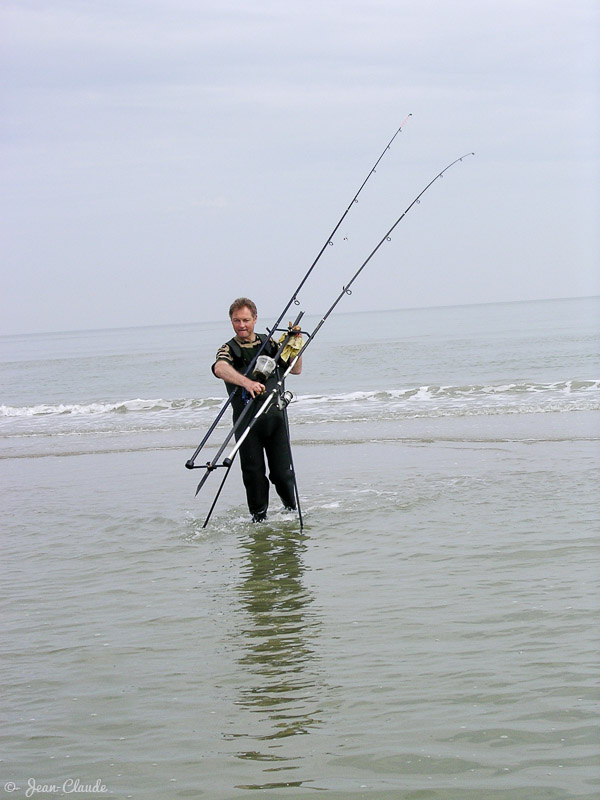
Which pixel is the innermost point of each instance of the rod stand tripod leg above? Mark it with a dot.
(214, 503)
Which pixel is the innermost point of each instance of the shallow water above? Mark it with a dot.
(430, 634)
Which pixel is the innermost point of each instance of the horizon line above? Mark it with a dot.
(363, 311)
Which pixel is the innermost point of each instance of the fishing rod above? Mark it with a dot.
(293, 299)
(346, 290)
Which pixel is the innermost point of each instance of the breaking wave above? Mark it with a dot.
(440, 401)
(158, 423)
(525, 397)
(119, 407)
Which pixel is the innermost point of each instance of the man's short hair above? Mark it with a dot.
(242, 302)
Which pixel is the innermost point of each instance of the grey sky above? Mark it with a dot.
(163, 156)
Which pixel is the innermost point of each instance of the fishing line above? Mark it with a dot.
(293, 300)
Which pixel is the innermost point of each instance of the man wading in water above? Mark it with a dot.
(269, 434)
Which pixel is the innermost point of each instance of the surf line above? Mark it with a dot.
(278, 393)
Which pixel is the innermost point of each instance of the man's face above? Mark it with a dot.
(243, 324)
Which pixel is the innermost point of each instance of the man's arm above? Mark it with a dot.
(297, 368)
(226, 372)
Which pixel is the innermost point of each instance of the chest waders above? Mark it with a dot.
(269, 438)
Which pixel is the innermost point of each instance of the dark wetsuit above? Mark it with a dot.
(268, 435)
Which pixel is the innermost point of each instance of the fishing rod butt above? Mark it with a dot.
(227, 462)
(189, 464)
(209, 468)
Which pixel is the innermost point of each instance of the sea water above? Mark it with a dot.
(430, 633)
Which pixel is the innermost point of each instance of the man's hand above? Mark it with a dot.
(226, 372)
(253, 387)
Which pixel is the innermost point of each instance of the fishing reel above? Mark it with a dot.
(284, 399)
(264, 368)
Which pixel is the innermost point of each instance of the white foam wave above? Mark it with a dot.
(409, 402)
(120, 407)
(444, 393)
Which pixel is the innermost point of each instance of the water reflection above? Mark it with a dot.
(279, 659)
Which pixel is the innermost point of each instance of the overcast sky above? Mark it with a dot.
(161, 157)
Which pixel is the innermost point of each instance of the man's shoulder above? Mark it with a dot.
(233, 347)
(224, 353)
